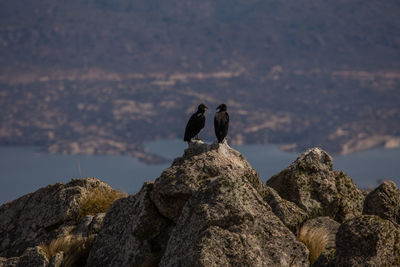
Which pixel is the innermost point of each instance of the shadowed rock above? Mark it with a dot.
(43, 215)
(311, 183)
(384, 201)
(330, 227)
(289, 213)
(367, 241)
(32, 257)
(133, 233)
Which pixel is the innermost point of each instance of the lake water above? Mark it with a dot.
(24, 169)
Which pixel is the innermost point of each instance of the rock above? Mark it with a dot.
(32, 257)
(330, 227)
(311, 183)
(133, 233)
(384, 201)
(90, 225)
(57, 260)
(326, 259)
(207, 209)
(368, 240)
(42, 216)
(227, 223)
(318, 235)
(289, 213)
(199, 163)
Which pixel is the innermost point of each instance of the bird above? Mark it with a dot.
(195, 123)
(221, 123)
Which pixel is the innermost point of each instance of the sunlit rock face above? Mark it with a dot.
(315, 187)
(207, 209)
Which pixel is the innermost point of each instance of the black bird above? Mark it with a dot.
(195, 123)
(221, 123)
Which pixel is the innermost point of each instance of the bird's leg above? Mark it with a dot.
(197, 137)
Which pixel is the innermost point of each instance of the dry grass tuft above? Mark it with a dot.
(98, 200)
(75, 248)
(315, 239)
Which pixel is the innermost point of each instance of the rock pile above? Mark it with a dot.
(210, 208)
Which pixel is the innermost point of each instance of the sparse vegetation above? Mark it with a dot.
(75, 249)
(98, 200)
(315, 239)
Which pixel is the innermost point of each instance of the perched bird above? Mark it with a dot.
(221, 123)
(195, 123)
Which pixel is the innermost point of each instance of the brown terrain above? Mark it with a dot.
(102, 77)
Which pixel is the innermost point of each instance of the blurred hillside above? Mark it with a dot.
(103, 76)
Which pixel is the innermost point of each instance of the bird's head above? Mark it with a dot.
(202, 108)
(221, 107)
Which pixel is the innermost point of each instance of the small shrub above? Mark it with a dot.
(315, 239)
(75, 248)
(97, 201)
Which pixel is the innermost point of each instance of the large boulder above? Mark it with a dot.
(227, 223)
(314, 186)
(188, 173)
(367, 241)
(384, 201)
(207, 209)
(43, 215)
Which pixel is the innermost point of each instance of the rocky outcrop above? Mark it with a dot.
(134, 233)
(367, 241)
(289, 213)
(315, 187)
(384, 201)
(43, 215)
(32, 257)
(210, 208)
(207, 209)
(226, 223)
(189, 172)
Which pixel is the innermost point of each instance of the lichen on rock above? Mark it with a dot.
(207, 209)
(368, 240)
(315, 187)
(43, 215)
(384, 201)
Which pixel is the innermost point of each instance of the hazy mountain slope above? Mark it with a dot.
(109, 75)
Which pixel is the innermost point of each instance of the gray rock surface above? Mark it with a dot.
(42, 216)
(32, 257)
(311, 183)
(211, 209)
(57, 260)
(134, 233)
(207, 209)
(187, 174)
(90, 225)
(384, 201)
(368, 240)
(288, 212)
(227, 223)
